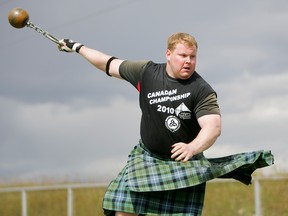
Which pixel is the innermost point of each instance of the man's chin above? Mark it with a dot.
(185, 75)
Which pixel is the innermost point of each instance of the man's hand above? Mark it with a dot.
(210, 130)
(182, 152)
(68, 45)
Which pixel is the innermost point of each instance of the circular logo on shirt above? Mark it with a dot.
(172, 123)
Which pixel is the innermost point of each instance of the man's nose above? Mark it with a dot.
(188, 59)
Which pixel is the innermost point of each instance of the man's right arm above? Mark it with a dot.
(99, 60)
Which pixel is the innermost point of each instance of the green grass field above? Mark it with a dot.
(234, 199)
(221, 199)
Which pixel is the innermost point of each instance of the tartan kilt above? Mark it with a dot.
(154, 185)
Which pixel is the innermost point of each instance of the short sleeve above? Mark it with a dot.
(207, 106)
(132, 71)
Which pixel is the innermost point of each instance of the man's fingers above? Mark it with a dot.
(176, 153)
(185, 159)
(61, 45)
(175, 148)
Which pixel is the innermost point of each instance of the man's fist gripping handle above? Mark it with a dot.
(68, 45)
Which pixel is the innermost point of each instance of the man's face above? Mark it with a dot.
(181, 62)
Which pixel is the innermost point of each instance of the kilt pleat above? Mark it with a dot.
(154, 185)
(149, 172)
(181, 202)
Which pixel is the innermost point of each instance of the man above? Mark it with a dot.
(166, 172)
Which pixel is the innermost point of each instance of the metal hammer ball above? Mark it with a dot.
(18, 17)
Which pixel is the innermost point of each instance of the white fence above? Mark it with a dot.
(70, 187)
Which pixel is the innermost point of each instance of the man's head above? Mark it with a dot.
(181, 55)
(183, 38)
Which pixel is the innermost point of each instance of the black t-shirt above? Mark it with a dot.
(170, 107)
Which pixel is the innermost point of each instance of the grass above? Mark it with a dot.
(88, 202)
(221, 199)
(10, 204)
(38, 205)
(229, 198)
(275, 198)
(238, 199)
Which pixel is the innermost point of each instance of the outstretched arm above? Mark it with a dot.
(95, 57)
(100, 60)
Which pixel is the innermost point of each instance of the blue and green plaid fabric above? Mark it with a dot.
(149, 172)
(150, 184)
(181, 202)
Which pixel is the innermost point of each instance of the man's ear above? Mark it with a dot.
(168, 54)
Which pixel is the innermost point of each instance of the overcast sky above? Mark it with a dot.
(60, 116)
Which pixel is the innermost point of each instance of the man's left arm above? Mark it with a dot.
(210, 131)
(209, 121)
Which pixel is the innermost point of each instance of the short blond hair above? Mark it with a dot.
(181, 37)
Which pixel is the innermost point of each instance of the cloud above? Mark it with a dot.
(254, 115)
(66, 135)
(60, 115)
(246, 91)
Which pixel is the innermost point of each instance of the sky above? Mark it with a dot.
(60, 117)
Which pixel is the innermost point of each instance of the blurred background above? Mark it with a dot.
(62, 118)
